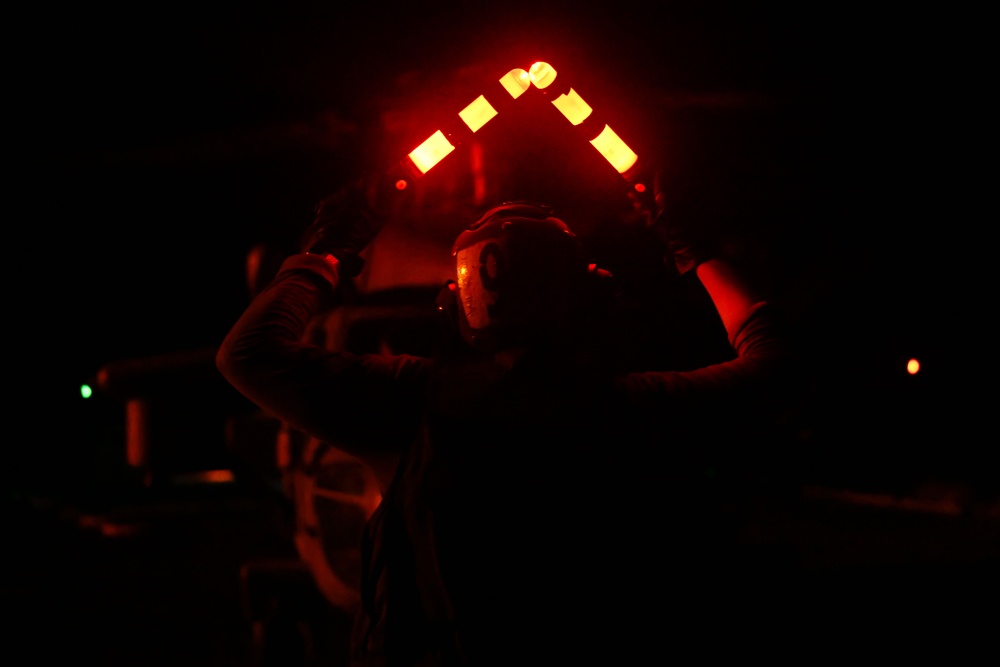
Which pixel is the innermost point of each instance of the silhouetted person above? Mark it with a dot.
(538, 506)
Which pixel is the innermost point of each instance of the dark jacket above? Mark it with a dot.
(539, 509)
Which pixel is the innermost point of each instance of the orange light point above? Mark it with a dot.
(912, 366)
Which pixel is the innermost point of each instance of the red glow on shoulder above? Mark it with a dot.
(912, 366)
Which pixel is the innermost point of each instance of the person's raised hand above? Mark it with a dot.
(346, 222)
(688, 229)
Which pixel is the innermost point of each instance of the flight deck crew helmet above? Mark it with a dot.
(520, 276)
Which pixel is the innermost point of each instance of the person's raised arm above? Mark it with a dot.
(271, 328)
(692, 243)
(733, 298)
(333, 396)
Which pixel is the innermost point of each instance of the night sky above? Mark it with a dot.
(156, 144)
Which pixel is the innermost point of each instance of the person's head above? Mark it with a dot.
(520, 278)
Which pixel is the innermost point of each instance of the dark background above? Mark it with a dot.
(153, 146)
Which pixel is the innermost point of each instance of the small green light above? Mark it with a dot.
(86, 391)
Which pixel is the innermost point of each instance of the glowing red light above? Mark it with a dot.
(639, 187)
(912, 366)
(401, 184)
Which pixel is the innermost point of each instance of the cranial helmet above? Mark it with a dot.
(520, 274)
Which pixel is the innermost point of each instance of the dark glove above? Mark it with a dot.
(346, 222)
(687, 230)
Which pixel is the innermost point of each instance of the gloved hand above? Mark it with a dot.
(688, 230)
(347, 221)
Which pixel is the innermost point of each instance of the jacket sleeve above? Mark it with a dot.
(759, 384)
(364, 404)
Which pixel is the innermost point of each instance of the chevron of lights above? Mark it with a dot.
(515, 83)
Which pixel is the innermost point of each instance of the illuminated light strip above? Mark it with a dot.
(614, 150)
(576, 110)
(516, 82)
(429, 153)
(573, 107)
(542, 74)
(475, 116)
